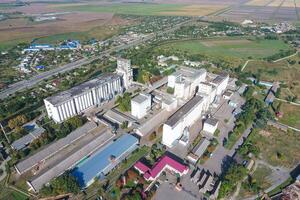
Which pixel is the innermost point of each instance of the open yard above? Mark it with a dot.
(260, 178)
(6, 193)
(280, 71)
(241, 48)
(279, 148)
(146, 9)
(291, 114)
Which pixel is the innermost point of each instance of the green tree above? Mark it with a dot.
(124, 102)
(234, 174)
(66, 183)
(17, 121)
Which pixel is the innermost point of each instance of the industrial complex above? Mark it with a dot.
(110, 136)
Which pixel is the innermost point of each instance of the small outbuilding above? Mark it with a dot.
(140, 105)
(210, 125)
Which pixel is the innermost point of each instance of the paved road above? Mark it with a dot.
(45, 75)
(38, 78)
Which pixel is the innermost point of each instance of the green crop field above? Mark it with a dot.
(236, 48)
(98, 33)
(134, 9)
(146, 9)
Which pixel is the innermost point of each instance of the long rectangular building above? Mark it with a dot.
(182, 118)
(104, 160)
(69, 161)
(39, 157)
(72, 102)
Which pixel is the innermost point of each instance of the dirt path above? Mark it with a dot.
(285, 57)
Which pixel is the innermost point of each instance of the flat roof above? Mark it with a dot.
(27, 139)
(69, 161)
(189, 72)
(153, 122)
(117, 117)
(211, 121)
(221, 77)
(54, 147)
(105, 159)
(141, 98)
(201, 147)
(79, 89)
(185, 109)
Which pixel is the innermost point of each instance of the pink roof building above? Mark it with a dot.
(163, 163)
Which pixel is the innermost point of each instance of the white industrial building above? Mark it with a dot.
(210, 125)
(182, 118)
(189, 82)
(208, 92)
(124, 69)
(72, 102)
(91, 93)
(185, 81)
(140, 105)
(220, 82)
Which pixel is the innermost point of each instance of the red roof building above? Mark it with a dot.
(163, 163)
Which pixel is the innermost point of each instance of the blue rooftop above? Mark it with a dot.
(104, 160)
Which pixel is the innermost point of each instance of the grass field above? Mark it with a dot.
(280, 71)
(6, 193)
(234, 48)
(147, 9)
(99, 33)
(291, 114)
(260, 177)
(280, 148)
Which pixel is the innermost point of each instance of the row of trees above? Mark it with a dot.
(66, 183)
(255, 111)
(230, 179)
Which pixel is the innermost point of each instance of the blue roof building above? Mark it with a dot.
(40, 67)
(104, 160)
(69, 45)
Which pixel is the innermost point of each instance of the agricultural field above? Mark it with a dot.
(75, 25)
(279, 148)
(240, 48)
(17, 28)
(264, 10)
(275, 3)
(99, 33)
(258, 2)
(146, 9)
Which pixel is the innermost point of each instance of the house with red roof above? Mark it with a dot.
(164, 163)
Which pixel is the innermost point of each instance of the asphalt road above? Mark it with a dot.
(21, 85)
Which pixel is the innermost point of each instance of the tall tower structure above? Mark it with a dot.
(124, 69)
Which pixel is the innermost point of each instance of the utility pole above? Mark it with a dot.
(4, 133)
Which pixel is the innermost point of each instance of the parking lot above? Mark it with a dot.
(167, 190)
(223, 113)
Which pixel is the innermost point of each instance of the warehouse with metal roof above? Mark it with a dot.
(104, 160)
